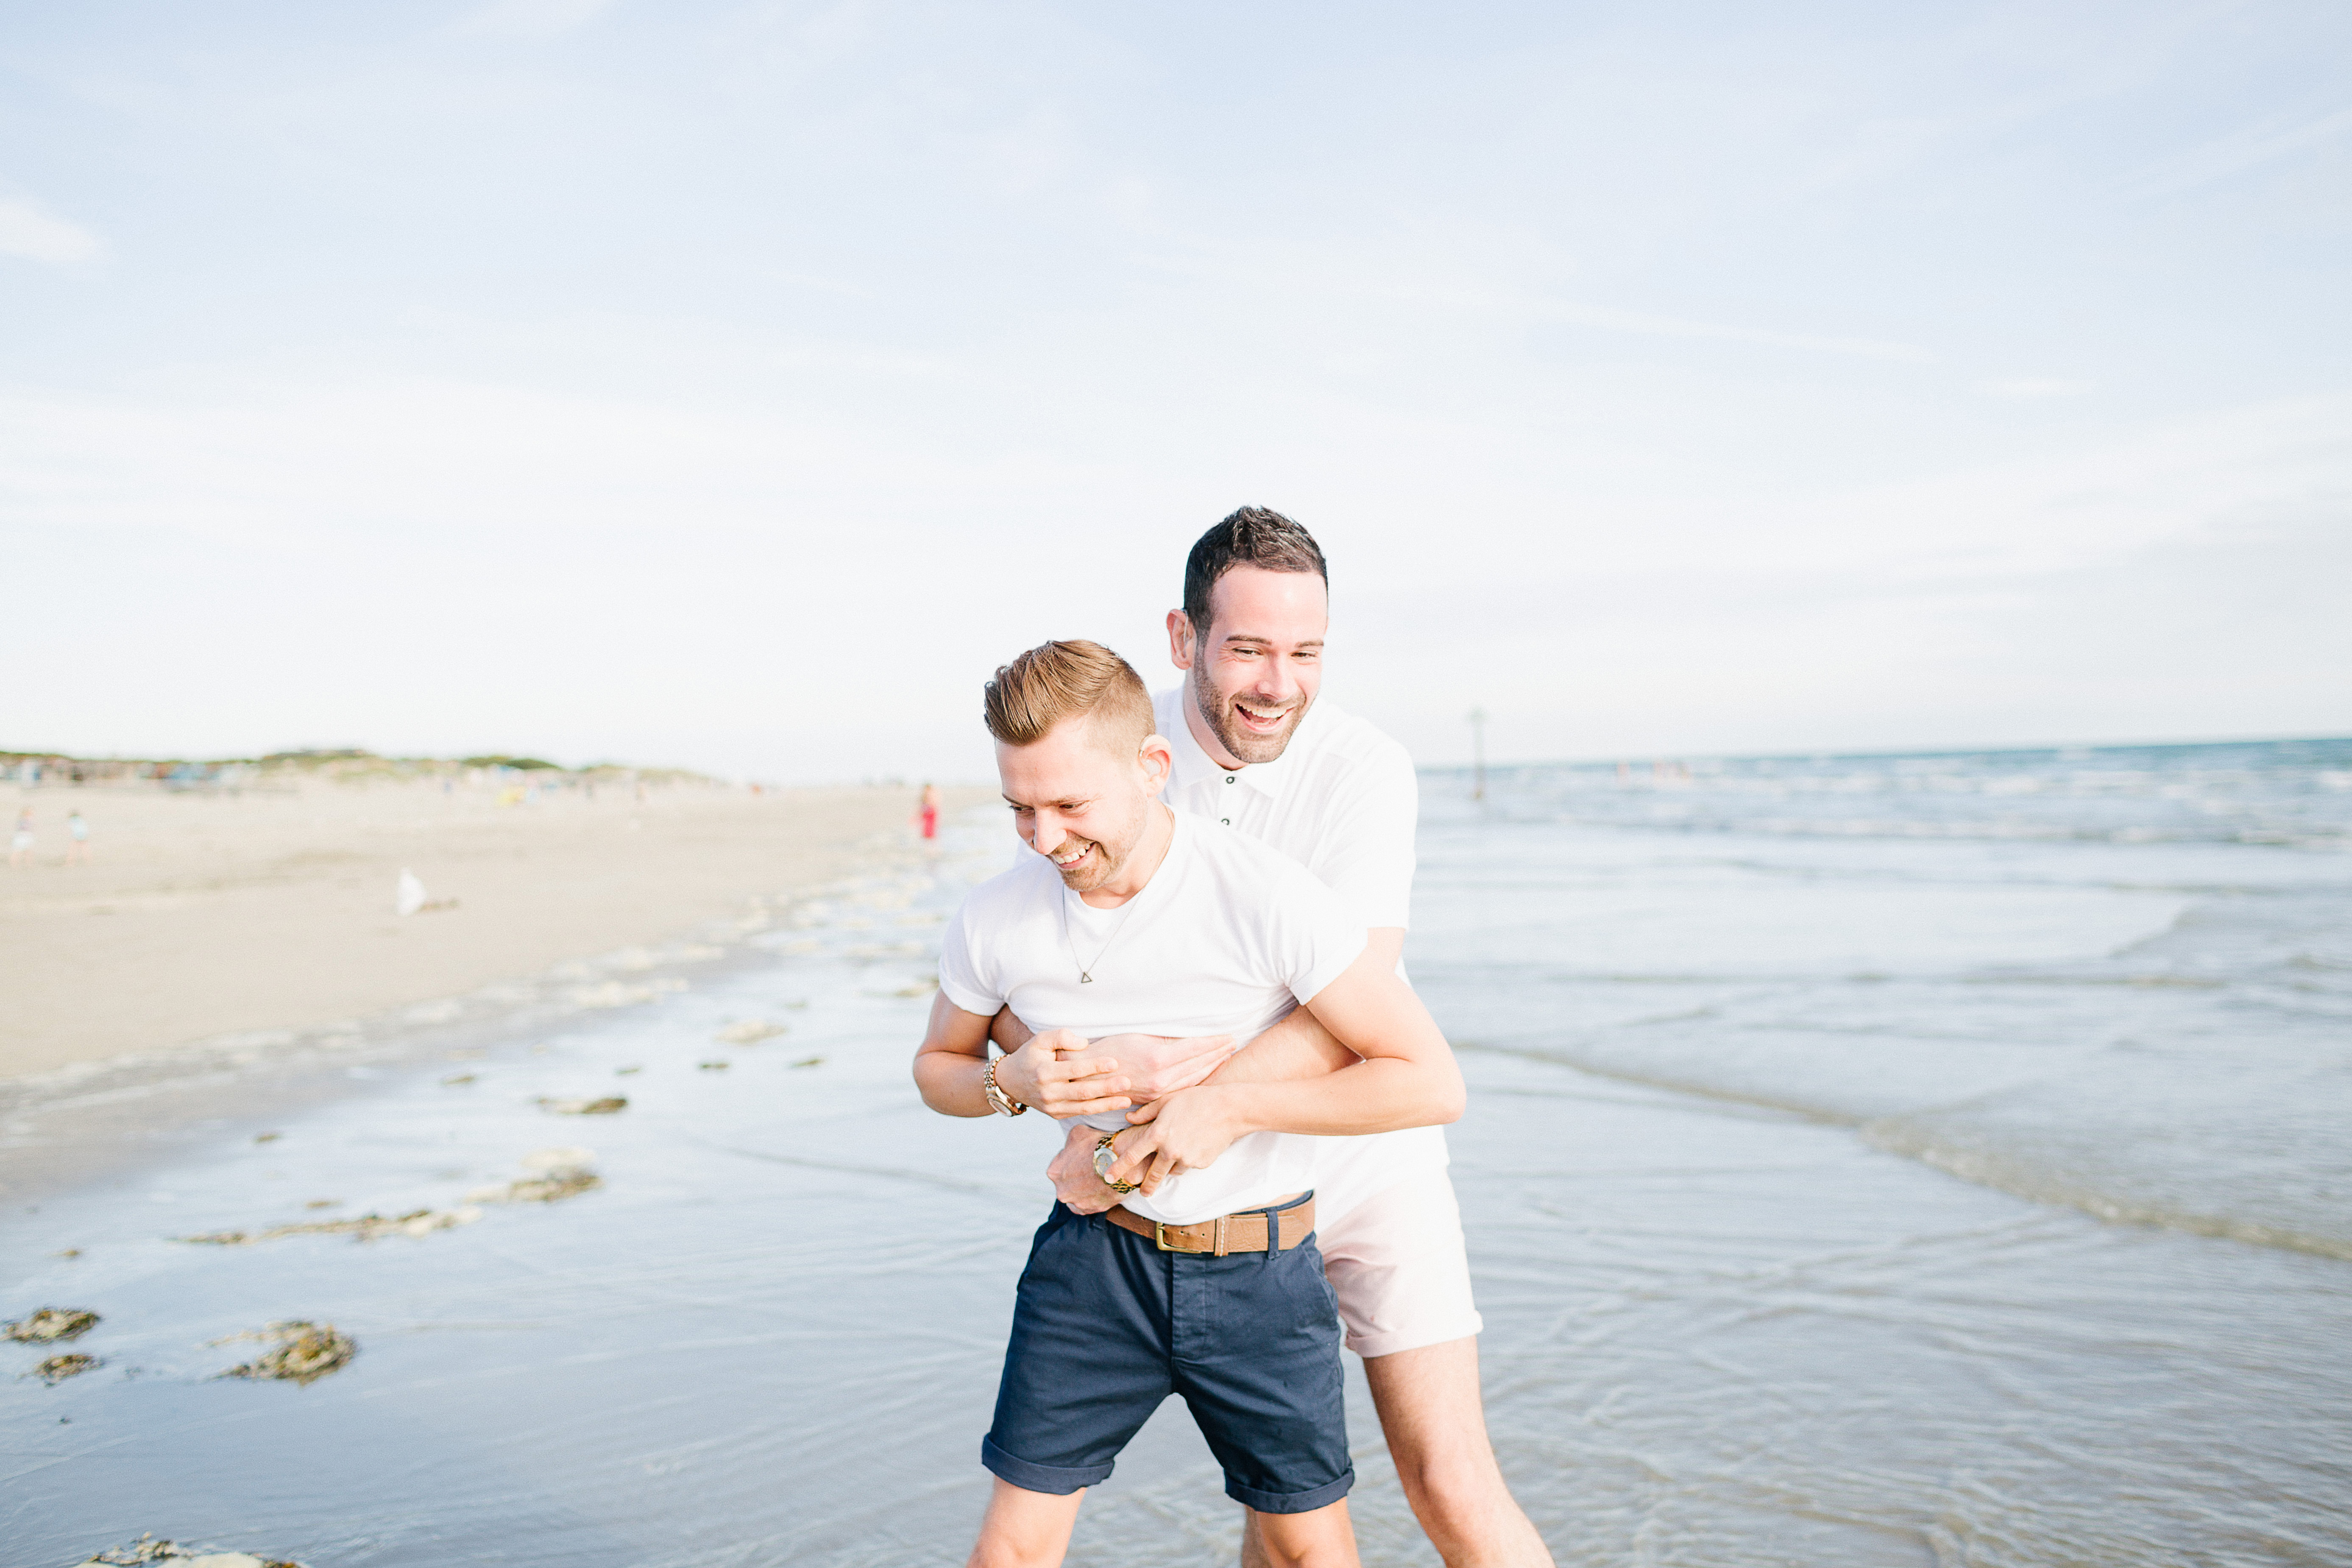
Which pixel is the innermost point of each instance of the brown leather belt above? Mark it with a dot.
(1226, 1233)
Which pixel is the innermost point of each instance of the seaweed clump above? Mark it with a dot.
(58, 1368)
(305, 1353)
(147, 1549)
(611, 1105)
(52, 1325)
(553, 1187)
(562, 1173)
(366, 1227)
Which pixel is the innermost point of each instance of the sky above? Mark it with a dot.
(736, 386)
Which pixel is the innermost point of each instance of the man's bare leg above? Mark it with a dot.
(1435, 1423)
(1025, 1529)
(1325, 1538)
(1437, 1428)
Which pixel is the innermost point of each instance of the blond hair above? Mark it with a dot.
(1058, 680)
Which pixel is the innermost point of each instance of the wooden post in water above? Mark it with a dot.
(1478, 753)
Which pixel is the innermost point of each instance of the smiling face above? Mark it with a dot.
(1085, 803)
(1255, 674)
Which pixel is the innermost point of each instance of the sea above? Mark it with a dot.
(1928, 1159)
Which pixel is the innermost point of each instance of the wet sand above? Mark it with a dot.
(204, 916)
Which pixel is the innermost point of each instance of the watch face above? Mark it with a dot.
(1105, 1158)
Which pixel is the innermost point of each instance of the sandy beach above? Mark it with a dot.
(203, 915)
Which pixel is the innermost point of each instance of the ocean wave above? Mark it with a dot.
(2288, 795)
(2257, 1152)
(1990, 831)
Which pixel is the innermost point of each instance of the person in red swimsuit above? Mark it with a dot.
(929, 814)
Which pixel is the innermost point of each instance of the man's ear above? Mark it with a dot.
(1180, 639)
(1156, 759)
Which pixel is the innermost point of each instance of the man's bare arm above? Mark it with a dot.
(1407, 1077)
(949, 1062)
(1008, 1031)
(1300, 1047)
(1054, 1072)
(1066, 1075)
(1297, 1049)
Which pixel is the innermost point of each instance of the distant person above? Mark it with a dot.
(928, 813)
(78, 839)
(20, 846)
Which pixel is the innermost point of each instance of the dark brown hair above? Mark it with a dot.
(1253, 536)
(1058, 681)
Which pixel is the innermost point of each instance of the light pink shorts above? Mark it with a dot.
(1396, 1262)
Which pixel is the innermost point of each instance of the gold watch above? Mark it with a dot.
(999, 1101)
(1105, 1158)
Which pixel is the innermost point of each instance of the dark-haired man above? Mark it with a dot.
(1256, 752)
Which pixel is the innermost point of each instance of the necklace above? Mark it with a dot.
(1086, 970)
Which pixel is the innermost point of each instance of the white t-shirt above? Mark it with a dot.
(1343, 800)
(1226, 938)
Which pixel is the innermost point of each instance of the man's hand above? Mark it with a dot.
(1062, 1074)
(1185, 1132)
(1073, 1173)
(1155, 1066)
(1057, 1073)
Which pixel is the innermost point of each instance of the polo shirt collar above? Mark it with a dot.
(1194, 765)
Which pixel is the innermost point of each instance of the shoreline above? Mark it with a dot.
(204, 916)
(231, 957)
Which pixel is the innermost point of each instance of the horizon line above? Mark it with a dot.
(1829, 754)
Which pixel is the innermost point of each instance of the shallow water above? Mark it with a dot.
(2119, 979)
(1729, 1041)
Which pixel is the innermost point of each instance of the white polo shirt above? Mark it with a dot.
(1343, 800)
(1226, 939)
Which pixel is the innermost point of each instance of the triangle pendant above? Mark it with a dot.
(1084, 979)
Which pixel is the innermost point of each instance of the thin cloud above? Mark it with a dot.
(1643, 325)
(2036, 386)
(28, 230)
(532, 18)
(2237, 152)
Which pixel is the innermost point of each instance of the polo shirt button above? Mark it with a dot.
(1227, 820)
(1228, 778)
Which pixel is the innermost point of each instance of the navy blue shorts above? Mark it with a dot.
(1107, 1326)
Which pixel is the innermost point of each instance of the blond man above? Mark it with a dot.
(1204, 1279)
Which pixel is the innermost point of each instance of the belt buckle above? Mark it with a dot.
(1216, 1247)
